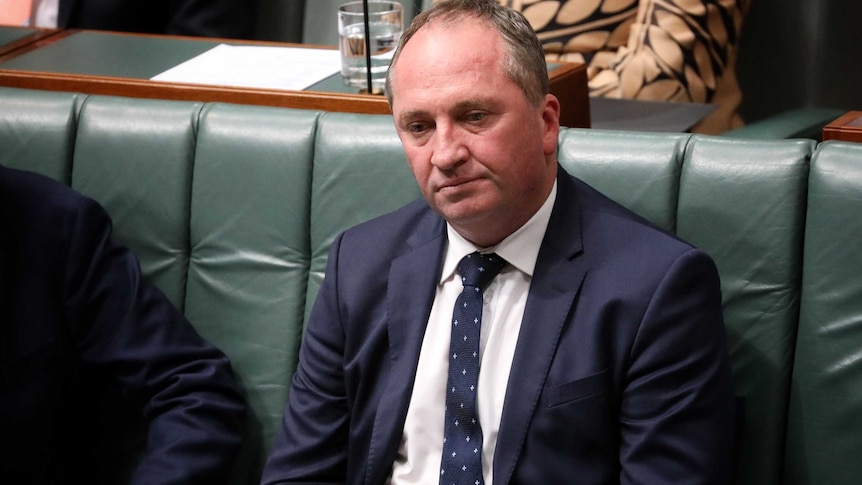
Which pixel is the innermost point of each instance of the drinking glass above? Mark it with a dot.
(386, 22)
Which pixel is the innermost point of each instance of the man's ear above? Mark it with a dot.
(551, 120)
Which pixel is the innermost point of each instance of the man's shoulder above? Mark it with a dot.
(609, 219)
(33, 195)
(398, 224)
(617, 241)
(363, 254)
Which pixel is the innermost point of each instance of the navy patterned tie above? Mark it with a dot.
(461, 463)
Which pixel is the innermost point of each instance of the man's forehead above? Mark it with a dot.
(441, 30)
(449, 54)
(441, 44)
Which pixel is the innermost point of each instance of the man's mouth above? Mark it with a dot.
(455, 184)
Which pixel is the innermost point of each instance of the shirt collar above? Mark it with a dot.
(520, 249)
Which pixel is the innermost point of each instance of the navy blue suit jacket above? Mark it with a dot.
(90, 353)
(620, 374)
(207, 18)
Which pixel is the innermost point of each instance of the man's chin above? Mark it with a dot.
(463, 212)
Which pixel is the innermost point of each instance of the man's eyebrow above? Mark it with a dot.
(471, 103)
(412, 114)
(459, 107)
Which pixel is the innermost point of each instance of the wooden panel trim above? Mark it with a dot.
(144, 88)
(847, 127)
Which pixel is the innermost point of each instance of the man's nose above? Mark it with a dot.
(450, 149)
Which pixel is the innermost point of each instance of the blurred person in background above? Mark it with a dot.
(205, 18)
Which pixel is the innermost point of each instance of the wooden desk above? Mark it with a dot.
(14, 38)
(122, 64)
(847, 127)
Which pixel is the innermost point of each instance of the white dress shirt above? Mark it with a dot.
(418, 460)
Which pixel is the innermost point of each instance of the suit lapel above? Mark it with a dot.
(408, 311)
(556, 282)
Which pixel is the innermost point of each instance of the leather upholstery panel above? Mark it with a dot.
(37, 131)
(249, 253)
(638, 170)
(824, 437)
(135, 157)
(360, 172)
(744, 203)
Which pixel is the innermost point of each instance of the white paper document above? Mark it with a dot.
(256, 67)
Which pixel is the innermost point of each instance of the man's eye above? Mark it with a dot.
(476, 116)
(417, 127)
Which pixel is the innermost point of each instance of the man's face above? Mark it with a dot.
(483, 156)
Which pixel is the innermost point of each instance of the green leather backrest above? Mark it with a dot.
(743, 202)
(639, 170)
(37, 131)
(360, 172)
(249, 252)
(824, 437)
(136, 159)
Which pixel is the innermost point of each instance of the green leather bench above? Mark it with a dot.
(232, 208)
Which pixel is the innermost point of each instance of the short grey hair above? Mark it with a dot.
(525, 64)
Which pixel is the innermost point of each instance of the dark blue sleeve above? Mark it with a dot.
(311, 445)
(128, 328)
(677, 408)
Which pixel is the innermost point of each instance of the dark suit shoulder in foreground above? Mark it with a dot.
(92, 353)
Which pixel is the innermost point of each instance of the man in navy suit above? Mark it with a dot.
(207, 18)
(602, 347)
(91, 354)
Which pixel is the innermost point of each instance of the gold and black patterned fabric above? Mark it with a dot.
(670, 50)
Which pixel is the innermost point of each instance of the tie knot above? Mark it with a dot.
(478, 269)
